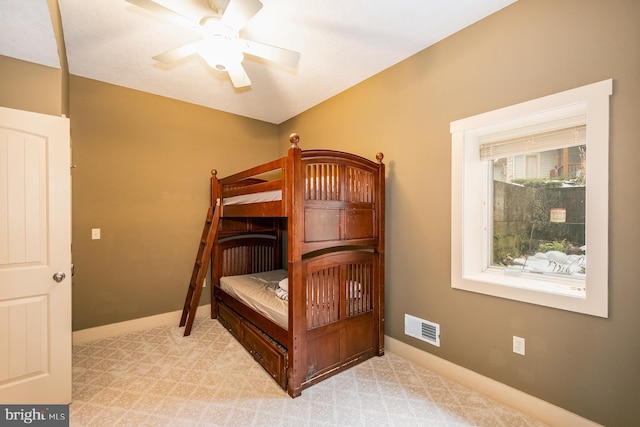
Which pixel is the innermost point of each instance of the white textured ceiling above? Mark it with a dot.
(26, 32)
(341, 42)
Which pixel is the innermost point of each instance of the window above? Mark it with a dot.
(530, 201)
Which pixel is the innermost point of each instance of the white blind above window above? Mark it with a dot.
(534, 143)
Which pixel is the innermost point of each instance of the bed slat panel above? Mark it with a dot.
(247, 257)
(359, 185)
(322, 181)
(339, 289)
(323, 297)
(358, 288)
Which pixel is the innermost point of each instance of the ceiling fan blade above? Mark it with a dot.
(238, 13)
(179, 53)
(238, 76)
(160, 10)
(275, 54)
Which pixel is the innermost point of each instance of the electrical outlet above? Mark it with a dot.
(518, 345)
(95, 233)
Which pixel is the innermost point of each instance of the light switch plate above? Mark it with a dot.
(518, 345)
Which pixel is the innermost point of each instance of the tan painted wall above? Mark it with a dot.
(30, 87)
(142, 177)
(588, 365)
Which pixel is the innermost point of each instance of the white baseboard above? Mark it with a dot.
(114, 329)
(525, 403)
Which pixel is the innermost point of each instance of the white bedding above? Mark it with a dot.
(244, 199)
(258, 291)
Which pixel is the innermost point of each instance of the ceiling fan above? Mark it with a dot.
(221, 46)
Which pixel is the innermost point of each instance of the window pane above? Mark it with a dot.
(538, 216)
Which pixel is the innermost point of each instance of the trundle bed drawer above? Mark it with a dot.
(271, 356)
(229, 320)
(265, 351)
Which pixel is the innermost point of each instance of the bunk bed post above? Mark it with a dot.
(216, 193)
(380, 254)
(297, 292)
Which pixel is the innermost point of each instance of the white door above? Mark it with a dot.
(531, 166)
(35, 259)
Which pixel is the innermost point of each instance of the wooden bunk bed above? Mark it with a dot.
(320, 218)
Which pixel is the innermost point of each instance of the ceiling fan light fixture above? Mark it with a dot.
(219, 52)
(213, 25)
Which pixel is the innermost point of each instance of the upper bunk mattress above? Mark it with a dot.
(245, 199)
(258, 291)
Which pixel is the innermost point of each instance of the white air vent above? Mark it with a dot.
(422, 329)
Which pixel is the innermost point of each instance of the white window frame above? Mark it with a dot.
(471, 198)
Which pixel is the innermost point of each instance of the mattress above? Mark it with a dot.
(245, 199)
(258, 291)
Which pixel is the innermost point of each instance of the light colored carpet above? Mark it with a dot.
(160, 378)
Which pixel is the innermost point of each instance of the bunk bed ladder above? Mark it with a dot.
(200, 269)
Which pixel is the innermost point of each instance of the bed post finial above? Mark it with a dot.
(379, 157)
(294, 138)
(214, 172)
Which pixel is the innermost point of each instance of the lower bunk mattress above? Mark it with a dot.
(264, 292)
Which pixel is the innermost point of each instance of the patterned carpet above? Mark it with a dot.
(160, 378)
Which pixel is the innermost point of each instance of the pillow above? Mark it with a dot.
(284, 284)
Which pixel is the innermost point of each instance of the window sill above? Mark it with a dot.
(525, 281)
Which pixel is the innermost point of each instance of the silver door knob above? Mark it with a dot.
(59, 276)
